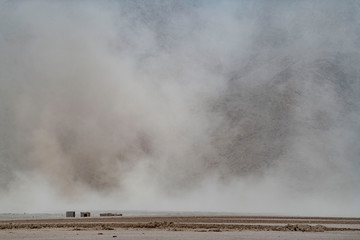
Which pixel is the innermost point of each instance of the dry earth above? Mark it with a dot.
(194, 227)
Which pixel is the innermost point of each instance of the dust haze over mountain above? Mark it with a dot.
(239, 106)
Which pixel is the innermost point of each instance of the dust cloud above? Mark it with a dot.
(238, 106)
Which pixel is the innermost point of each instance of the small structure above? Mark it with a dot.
(70, 214)
(110, 214)
(84, 214)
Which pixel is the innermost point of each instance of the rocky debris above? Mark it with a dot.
(198, 224)
(303, 228)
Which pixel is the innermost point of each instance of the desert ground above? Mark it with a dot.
(182, 227)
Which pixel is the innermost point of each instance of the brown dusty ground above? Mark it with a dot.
(230, 227)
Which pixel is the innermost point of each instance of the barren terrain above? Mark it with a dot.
(180, 227)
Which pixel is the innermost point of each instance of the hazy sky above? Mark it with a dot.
(238, 106)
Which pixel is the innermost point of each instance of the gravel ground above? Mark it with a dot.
(59, 234)
(201, 227)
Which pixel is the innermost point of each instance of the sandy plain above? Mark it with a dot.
(182, 227)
